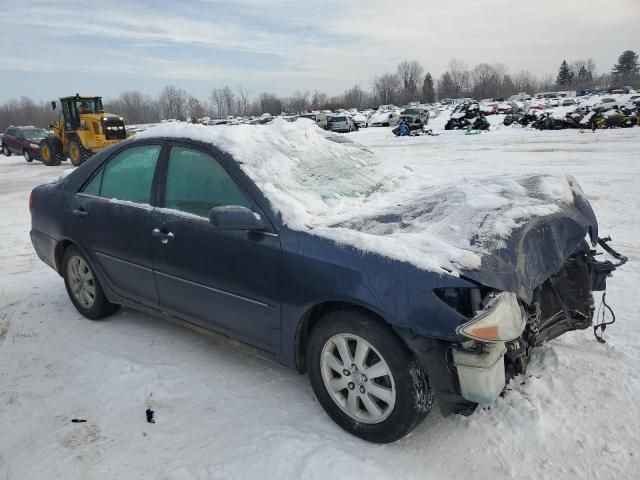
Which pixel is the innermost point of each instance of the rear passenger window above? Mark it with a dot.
(127, 176)
(196, 183)
(93, 187)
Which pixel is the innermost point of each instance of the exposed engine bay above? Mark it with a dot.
(564, 302)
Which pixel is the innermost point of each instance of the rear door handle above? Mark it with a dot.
(163, 234)
(80, 212)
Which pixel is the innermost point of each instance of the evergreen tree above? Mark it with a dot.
(428, 91)
(627, 65)
(565, 76)
(446, 86)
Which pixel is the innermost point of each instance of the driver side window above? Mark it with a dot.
(196, 183)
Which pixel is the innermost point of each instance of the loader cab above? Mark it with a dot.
(74, 107)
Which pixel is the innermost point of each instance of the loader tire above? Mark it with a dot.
(77, 153)
(51, 151)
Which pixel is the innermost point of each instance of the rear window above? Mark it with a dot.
(338, 119)
(128, 176)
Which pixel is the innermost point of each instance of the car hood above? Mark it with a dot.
(537, 250)
(518, 261)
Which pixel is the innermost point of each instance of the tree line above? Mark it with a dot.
(409, 82)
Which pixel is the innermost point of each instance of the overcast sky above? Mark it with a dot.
(56, 48)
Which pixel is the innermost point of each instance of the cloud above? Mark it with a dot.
(329, 45)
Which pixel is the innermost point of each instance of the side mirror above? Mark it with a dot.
(53, 104)
(235, 217)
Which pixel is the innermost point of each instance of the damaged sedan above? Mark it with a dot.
(389, 288)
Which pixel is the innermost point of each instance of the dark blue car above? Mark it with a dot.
(173, 224)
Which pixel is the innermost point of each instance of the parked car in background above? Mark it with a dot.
(342, 123)
(488, 108)
(384, 118)
(415, 117)
(569, 102)
(23, 141)
(507, 108)
(536, 105)
(171, 223)
(360, 119)
(319, 118)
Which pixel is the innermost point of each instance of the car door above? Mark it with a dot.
(227, 280)
(111, 221)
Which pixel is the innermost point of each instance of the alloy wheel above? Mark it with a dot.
(81, 282)
(357, 378)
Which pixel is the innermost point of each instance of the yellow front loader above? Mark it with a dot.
(82, 129)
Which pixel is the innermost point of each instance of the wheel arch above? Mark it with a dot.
(61, 247)
(314, 314)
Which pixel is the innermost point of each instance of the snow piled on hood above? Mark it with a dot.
(326, 185)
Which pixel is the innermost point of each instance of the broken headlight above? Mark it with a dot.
(493, 316)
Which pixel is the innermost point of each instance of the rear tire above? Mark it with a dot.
(51, 151)
(77, 153)
(381, 408)
(83, 286)
(5, 151)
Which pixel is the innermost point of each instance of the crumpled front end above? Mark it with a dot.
(503, 329)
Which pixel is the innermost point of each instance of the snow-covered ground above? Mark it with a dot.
(222, 412)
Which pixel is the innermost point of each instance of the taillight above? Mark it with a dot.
(30, 201)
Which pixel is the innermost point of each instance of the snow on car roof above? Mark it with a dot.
(326, 185)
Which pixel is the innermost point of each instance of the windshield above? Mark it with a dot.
(410, 111)
(35, 134)
(312, 117)
(88, 105)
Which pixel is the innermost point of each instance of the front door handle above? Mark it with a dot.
(80, 212)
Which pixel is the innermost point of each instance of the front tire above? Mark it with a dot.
(365, 377)
(83, 286)
(27, 156)
(77, 153)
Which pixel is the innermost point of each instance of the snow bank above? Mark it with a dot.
(326, 185)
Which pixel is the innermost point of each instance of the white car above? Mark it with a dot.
(360, 119)
(384, 119)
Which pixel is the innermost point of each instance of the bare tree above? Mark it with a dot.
(386, 88)
(486, 81)
(318, 100)
(229, 100)
(460, 76)
(410, 76)
(355, 97)
(298, 102)
(548, 83)
(26, 112)
(217, 102)
(524, 81)
(135, 107)
(173, 102)
(195, 108)
(243, 99)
